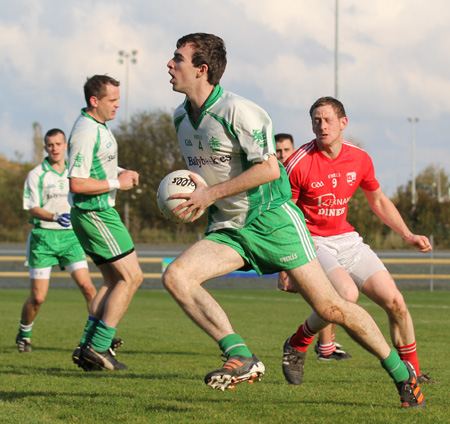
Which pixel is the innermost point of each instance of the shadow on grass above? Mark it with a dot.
(37, 349)
(6, 396)
(34, 371)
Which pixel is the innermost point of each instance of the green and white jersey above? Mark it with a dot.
(46, 188)
(231, 135)
(92, 153)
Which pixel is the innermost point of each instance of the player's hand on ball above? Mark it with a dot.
(63, 219)
(176, 198)
(196, 201)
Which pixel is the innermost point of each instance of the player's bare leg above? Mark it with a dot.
(382, 289)
(317, 290)
(83, 281)
(347, 289)
(39, 290)
(121, 280)
(183, 278)
(329, 306)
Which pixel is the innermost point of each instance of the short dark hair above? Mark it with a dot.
(53, 132)
(209, 49)
(336, 104)
(96, 86)
(284, 136)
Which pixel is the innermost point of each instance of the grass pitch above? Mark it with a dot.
(168, 357)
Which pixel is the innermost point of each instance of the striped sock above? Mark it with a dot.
(234, 345)
(25, 330)
(395, 367)
(302, 338)
(409, 353)
(327, 349)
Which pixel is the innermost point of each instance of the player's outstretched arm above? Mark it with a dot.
(389, 214)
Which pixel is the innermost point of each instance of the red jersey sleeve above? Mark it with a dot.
(368, 181)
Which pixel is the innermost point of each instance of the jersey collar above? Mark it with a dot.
(213, 97)
(86, 115)
(47, 167)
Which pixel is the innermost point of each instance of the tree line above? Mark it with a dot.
(148, 145)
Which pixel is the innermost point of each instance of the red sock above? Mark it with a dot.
(302, 338)
(409, 353)
(327, 350)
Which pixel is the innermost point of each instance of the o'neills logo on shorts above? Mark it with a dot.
(289, 258)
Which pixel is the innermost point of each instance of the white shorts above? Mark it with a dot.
(44, 273)
(348, 251)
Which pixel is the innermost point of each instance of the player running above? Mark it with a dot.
(324, 174)
(252, 223)
(51, 241)
(94, 180)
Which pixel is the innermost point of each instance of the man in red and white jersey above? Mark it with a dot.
(324, 174)
(326, 347)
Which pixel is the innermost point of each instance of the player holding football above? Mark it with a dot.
(326, 348)
(94, 180)
(252, 223)
(52, 240)
(324, 174)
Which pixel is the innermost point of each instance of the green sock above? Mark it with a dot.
(89, 330)
(395, 367)
(102, 337)
(25, 330)
(234, 345)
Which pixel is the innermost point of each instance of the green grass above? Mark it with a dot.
(168, 356)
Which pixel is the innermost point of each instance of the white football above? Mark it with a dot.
(176, 182)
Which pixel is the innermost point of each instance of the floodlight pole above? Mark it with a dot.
(336, 52)
(413, 150)
(126, 57)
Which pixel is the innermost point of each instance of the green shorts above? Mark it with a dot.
(47, 248)
(275, 241)
(102, 234)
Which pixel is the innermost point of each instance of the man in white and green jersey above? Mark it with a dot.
(51, 241)
(94, 179)
(233, 133)
(252, 223)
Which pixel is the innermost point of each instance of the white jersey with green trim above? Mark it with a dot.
(230, 136)
(47, 189)
(92, 153)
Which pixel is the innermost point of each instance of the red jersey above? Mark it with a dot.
(324, 187)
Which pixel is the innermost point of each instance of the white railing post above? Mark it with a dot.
(431, 264)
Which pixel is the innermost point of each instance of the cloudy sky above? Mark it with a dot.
(393, 64)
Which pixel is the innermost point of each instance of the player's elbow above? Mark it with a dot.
(273, 171)
(75, 186)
